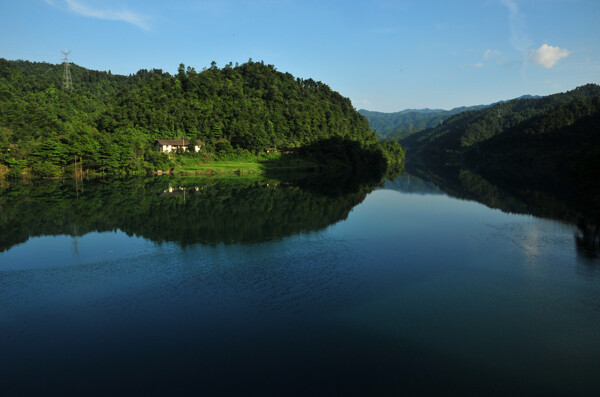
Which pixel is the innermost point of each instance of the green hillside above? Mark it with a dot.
(462, 132)
(108, 123)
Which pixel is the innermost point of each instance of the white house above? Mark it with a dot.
(172, 145)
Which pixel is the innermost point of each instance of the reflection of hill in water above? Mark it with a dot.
(407, 183)
(184, 210)
(521, 198)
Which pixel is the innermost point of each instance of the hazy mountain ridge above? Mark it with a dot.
(401, 124)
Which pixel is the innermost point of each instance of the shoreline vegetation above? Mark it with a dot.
(333, 155)
(181, 165)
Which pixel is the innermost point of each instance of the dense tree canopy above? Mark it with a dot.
(108, 123)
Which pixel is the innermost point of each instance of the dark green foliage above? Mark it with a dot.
(47, 126)
(393, 151)
(395, 155)
(342, 153)
(559, 149)
(110, 122)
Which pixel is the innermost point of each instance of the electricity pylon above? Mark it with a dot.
(67, 83)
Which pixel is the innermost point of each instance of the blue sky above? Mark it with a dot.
(385, 55)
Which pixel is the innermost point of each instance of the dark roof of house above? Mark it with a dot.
(177, 142)
(173, 142)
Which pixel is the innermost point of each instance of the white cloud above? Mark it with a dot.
(547, 56)
(365, 102)
(478, 65)
(78, 7)
(490, 53)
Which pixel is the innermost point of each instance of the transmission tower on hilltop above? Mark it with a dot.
(67, 83)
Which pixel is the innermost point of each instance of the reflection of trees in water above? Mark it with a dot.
(587, 239)
(184, 210)
(520, 197)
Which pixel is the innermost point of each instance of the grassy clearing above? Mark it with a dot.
(260, 166)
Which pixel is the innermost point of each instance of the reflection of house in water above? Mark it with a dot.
(180, 191)
(282, 151)
(174, 145)
(279, 184)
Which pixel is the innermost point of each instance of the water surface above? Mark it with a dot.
(132, 286)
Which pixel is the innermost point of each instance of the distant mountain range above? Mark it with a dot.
(399, 125)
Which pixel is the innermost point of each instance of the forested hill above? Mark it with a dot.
(465, 131)
(398, 125)
(111, 121)
(550, 143)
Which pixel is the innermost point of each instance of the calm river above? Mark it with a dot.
(221, 287)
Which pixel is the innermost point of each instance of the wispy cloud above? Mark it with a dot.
(546, 56)
(519, 38)
(491, 53)
(79, 7)
(518, 26)
(477, 65)
(500, 58)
